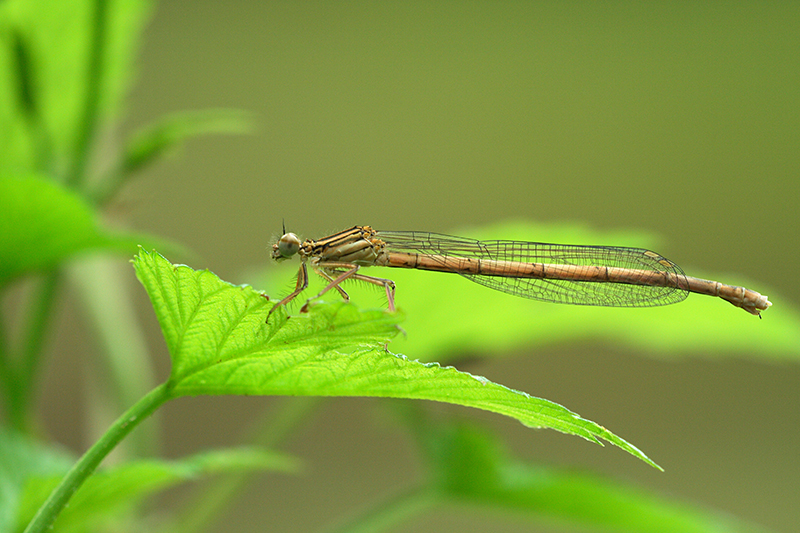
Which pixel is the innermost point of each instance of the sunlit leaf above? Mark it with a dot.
(220, 344)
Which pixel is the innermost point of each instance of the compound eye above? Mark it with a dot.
(288, 245)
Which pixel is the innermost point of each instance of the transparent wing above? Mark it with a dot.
(551, 290)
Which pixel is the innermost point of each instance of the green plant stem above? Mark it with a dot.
(405, 505)
(88, 122)
(47, 513)
(21, 371)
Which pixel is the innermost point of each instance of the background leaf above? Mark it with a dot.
(43, 223)
(22, 458)
(471, 467)
(111, 492)
(167, 134)
(170, 132)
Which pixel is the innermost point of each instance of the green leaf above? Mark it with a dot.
(43, 224)
(111, 492)
(220, 344)
(471, 466)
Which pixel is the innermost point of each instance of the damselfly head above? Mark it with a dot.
(286, 247)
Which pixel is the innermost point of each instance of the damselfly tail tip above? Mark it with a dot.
(767, 305)
(762, 303)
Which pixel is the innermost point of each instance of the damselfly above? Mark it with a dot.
(571, 274)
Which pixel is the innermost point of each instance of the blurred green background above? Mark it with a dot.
(680, 119)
